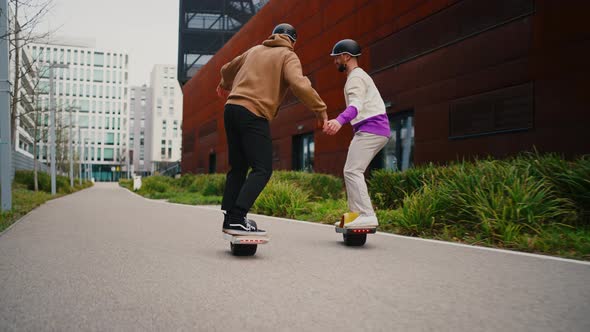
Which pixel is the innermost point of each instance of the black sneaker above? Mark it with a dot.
(243, 226)
(226, 221)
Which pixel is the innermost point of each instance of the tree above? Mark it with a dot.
(27, 15)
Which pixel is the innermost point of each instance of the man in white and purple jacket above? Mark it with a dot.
(366, 113)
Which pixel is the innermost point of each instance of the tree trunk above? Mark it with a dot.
(13, 108)
(35, 159)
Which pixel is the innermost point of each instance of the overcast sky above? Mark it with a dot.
(146, 30)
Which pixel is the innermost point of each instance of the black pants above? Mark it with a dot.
(249, 146)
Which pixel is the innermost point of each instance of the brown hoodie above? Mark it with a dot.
(259, 78)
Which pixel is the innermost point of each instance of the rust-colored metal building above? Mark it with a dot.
(460, 78)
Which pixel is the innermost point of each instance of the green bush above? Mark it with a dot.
(324, 211)
(156, 184)
(424, 210)
(206, 184)
(195, 199)
(569, 179)
(389, 188)
(281, 199)
(324, 186)
(126, 183)
(186, 180)
(496, 202)
(500, 192)
(318, 186)
(27, 178)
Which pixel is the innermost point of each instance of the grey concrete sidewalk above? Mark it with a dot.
(106, 259)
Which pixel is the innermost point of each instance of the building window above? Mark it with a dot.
(109, 138)
(303, 151)
(83, 121)
(98, 59)
(108, 154)
(98, 75)
(398, 153)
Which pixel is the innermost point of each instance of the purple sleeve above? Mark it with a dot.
(347, 115)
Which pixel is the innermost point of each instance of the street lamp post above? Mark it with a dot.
(87, 158)
(80, 155)
(71, 151)
(52, 142)
(5, 130)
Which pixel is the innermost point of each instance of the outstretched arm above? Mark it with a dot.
(334, 125)
(229, 71)
(301, 86)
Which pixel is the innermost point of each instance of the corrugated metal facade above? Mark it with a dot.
(478, 77)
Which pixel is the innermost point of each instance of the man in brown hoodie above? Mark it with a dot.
(255, 83)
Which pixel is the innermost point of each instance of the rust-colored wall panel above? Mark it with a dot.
(423, 55)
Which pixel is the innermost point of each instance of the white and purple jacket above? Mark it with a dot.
(365, 108)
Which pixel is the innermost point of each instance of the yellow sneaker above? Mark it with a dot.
(346, 218)
(362, 222)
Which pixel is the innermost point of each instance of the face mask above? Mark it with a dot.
(342, 68)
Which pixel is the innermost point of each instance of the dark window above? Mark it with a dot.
(505, 110)
(303, 149)
(212, 163)
(398, 153)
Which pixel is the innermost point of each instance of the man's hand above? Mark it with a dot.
(322, 119)
(332, 127)
(221, 92)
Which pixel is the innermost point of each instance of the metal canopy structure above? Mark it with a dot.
(205, 26)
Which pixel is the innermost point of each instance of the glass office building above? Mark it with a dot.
(93, 90)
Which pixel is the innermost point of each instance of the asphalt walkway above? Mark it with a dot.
(105, 259)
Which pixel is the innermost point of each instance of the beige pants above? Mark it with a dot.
(362, 149)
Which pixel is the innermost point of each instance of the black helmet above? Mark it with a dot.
(346, 46)
(286, 29)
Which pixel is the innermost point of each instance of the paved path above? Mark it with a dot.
(105, 259)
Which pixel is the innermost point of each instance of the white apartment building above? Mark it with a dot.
(26, 101)
(139, 108)
(164, 120)
(94, 88)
